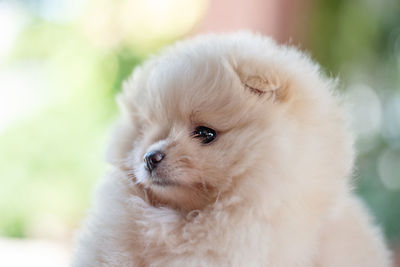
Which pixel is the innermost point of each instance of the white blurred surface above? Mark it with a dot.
(26, 252)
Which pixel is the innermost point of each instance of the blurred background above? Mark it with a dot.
(62, 62)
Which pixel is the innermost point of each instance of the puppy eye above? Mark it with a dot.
(205, 134)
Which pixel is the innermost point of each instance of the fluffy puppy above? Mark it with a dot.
(232, 151)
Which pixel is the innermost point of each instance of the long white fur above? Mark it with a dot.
(285, 199)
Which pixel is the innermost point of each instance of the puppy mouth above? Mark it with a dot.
(160, 180)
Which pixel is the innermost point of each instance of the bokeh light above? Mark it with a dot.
(391, 123)
(365, 110)
(389, 168)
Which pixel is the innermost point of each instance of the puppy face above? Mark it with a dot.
(196, 134)
(206, 118)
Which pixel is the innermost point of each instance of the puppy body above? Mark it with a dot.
(272, 189)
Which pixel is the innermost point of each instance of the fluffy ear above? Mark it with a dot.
(269, 85)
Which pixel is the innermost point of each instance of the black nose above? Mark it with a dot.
(153, 158)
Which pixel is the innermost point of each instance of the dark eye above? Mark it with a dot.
(205, 134)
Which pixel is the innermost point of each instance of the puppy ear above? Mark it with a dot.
(268, 86)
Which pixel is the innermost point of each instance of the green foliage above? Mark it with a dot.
(360, 42)
(51, 158)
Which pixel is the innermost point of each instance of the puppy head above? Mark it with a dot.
(220, 114)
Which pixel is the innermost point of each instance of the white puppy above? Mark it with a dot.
(232, 151)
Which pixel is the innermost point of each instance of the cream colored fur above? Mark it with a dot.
(274, 188)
